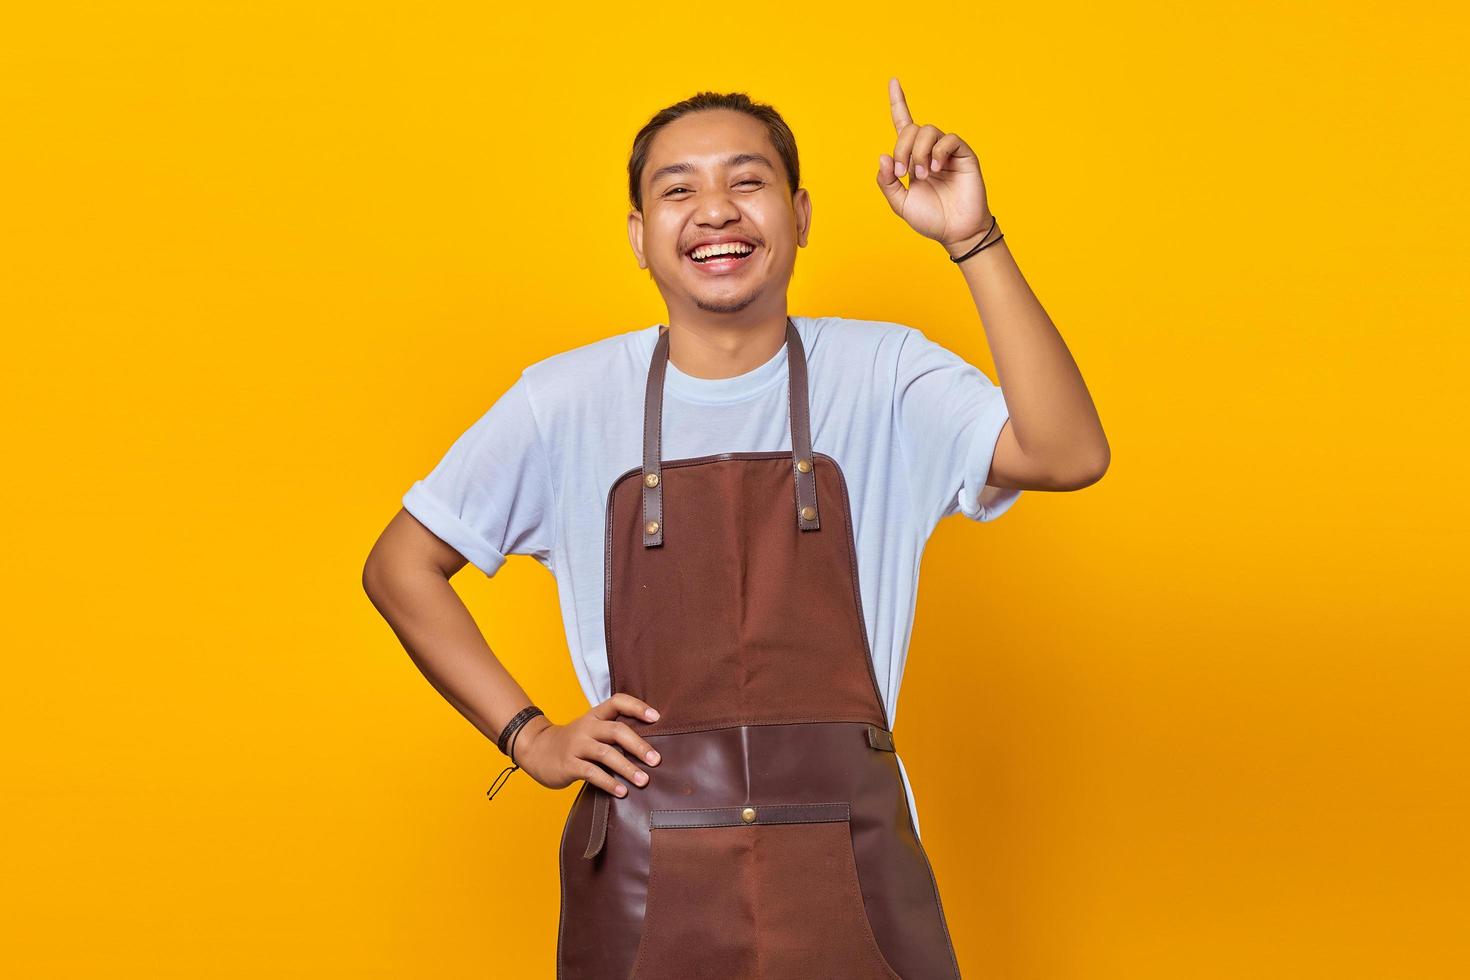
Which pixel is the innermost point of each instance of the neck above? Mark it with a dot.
(721, 346)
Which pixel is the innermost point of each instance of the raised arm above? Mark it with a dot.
(1053, 439)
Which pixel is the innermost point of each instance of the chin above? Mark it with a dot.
(718, 297)
(735, 305)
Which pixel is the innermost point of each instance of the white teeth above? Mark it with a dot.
(725, 248)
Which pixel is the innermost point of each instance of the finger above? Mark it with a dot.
(902, 147)
(625, 704)
(599, 777)
(889, 183)
(949, 148)
(898, 105)
(618, 732)
(942, 151)
(611, 757)
(924, 142)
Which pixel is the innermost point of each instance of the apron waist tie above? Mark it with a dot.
(878, 738)
(600, 802)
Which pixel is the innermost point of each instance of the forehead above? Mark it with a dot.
(706, 138)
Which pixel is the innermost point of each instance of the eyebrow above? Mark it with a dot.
(734, 160)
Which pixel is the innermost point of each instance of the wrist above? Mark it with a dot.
(526, 738)
(963, 245)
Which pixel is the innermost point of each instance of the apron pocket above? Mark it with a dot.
(766, 890)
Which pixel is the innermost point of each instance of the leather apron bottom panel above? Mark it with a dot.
(745, 859)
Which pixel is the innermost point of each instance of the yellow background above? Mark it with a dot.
(262, 263)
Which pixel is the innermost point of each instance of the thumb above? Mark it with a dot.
(890, 185)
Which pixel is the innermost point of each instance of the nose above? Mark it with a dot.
(717, 207)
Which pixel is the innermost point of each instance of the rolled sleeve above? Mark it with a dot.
(491, 495)
(948, 417)
(976, 500)
(450, 528)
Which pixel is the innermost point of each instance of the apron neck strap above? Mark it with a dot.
(802, 467)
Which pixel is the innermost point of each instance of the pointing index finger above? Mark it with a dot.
(900, 107)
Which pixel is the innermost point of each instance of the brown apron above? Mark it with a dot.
(774, 839)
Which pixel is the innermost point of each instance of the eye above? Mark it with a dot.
(749, 180)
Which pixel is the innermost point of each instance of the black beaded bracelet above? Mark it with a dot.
(982, 244)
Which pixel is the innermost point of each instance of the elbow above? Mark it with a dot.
(1083, 469)
(1097, 465)
(369, 576)
(373, 571)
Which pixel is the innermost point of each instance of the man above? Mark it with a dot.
(738, 605)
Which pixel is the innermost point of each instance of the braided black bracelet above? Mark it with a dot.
(507, 744)
(982, 244)
(521, 717)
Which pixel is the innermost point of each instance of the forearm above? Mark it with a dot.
(445, 643)
(1053, 418)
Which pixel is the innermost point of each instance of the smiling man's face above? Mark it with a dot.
(713, 176)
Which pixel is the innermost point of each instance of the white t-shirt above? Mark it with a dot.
(911, 424)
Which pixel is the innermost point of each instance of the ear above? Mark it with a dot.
(802, 203)
(635, 237)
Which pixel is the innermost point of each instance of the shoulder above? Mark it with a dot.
(582, 377)
(849, 345)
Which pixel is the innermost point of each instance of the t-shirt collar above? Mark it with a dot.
(722, 390)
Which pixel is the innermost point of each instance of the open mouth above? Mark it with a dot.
(724, 258)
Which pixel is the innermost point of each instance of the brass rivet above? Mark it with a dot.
(804, 465)
(748, 814)
(808, 513)
(651, 527)
(651, 479)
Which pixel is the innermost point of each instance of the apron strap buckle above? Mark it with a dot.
(802, 462)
